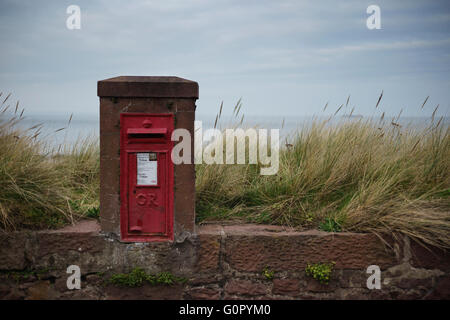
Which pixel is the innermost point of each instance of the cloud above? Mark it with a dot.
(396, 45)
(231, 47)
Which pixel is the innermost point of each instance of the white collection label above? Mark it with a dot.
(147, 170)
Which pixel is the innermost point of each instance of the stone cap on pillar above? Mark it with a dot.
(147, 87)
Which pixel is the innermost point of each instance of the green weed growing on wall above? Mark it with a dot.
(138, 277)
(320, 271)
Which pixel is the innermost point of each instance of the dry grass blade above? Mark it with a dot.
(6, 98)
(237, 107)
(35, 126)
(415, 145)
(439, 122)
(423, 104)
(434, 113)
(4, 109)
(340, 107)
(379, 99)
(36, 134)
(399, 114)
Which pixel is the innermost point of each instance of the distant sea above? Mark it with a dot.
(82, 127)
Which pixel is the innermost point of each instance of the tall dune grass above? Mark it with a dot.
(339, 174)
(343, 175)
(42, 186)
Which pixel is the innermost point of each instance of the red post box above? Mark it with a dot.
(143, 196)
(146, 177)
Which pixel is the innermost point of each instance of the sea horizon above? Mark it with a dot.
(57, 130)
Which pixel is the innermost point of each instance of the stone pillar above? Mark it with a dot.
(145, 95)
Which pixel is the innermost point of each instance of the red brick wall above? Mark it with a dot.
(220, 262)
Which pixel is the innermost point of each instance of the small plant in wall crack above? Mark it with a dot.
(27, 274)
(138, 277)
(320, 271)
(267, 273)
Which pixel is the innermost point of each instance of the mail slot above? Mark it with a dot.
(146, 177)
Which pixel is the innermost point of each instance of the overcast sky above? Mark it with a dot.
(283, 57)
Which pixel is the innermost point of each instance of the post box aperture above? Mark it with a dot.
(146, 177)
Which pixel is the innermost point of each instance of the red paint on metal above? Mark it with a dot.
(146, 211)
(147, 131)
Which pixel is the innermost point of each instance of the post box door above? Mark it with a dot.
(147, 201)
(146, 177)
